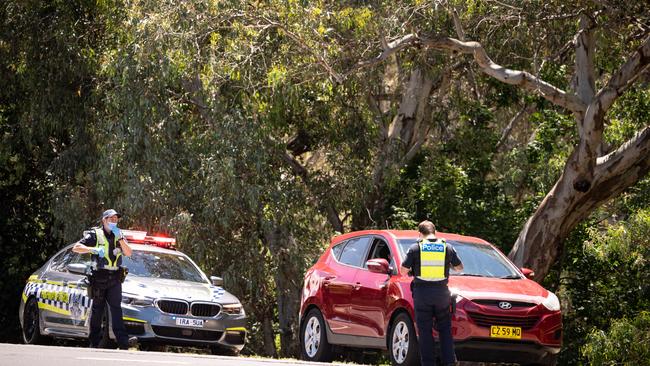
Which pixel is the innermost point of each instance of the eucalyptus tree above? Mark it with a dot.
(593, 173)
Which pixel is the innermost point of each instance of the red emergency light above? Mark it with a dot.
(141, 237)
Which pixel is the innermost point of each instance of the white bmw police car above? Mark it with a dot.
(166, 300)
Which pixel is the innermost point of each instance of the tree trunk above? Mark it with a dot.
(540, 241)
(288, 284)
(269, 337)
(400, 141)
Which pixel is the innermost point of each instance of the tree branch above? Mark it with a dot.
(625, 76)
(302, 44)
(461, 35)
(585, 80)
(523, 113)
(634, 152)
(513, 77)
(325, 204)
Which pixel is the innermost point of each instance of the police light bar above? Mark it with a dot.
(141, 237)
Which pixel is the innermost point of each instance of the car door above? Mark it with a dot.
(338, 284)
(61, 297)
(369, 300)
(51, 295)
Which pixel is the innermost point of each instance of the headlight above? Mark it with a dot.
(232, 309)
(454, 292)
(551, 302)
(135, 300)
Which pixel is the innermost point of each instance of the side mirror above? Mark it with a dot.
(378, 265)
(78, 268)
(529, 273)
(217, 281)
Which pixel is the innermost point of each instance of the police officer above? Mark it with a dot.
(428, 261)
(107, 245)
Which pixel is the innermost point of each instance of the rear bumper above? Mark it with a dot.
(488, 350)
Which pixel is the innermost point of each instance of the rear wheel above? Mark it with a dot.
(313, 338)
(403, 346)
(32, 324)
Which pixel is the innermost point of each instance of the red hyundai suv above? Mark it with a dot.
(355, 296)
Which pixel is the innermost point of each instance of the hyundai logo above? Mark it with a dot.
(505, 305)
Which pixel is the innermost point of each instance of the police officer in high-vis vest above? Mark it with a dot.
(107, 245)
(428, 261)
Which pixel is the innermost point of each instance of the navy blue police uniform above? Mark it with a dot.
(432, 300)
(106, 287)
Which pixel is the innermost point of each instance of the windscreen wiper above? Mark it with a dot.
(468, 274)
(511, 277)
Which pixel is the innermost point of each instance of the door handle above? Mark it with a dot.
(357, 285)
(327, 280)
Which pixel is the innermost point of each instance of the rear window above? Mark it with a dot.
(337, 249)
(355, 251)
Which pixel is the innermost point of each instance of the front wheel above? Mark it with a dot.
(403, 347)
(32, 324)
(313, 338)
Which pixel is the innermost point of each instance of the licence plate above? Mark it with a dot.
(498, 331)
(196, 323)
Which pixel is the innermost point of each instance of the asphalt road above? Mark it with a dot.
(28, 355)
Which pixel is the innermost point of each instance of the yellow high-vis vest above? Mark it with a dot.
(432, 260)
(101, 240)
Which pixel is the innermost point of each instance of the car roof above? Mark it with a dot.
(409, 234)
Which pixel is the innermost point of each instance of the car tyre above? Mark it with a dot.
(403, 344)
(153, 347)
(32, 324)
(223, 351)
(313, 338)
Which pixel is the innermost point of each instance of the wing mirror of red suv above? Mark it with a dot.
(529, 273)
(378, 265)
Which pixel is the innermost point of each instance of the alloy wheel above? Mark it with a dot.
(400, 342)
(312, 336)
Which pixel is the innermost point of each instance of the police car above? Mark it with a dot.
(166, 300)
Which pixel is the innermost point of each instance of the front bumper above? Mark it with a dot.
(541, 336)
(150, 325)
(488, 350)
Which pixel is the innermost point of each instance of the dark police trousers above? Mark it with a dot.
(433, 302)
(108, 289)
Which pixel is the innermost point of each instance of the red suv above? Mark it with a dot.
(355, 296)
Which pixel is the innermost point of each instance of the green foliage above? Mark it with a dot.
(604, 279)
(452, 185)
(627, 342)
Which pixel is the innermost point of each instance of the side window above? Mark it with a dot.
(380, 249)
(61, 261)
(337, 249)
(355, 251)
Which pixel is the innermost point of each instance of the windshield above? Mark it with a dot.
(162, 265)
(478, 260)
